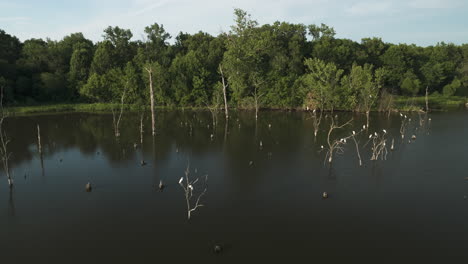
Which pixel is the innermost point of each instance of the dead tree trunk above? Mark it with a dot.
(117, 121)
(427, 101)
(367, 117)
(4, 154)
(226, 110)
(141, 128)
(39, 146)
(150, 75)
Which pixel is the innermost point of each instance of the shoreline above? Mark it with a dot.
(401, 104)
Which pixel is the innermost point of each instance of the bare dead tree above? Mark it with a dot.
(39, 146)
(427, 100)
(356, 143)
(386, 102)
(4, 153)
(142, 115)
(116, 119)
(142, 162)
(257, 94)
(189, 190)
(226, 109)
(379, 145)
(335, 145)
(214, 109)
(316, 121)
(150, 76)
(404, 124)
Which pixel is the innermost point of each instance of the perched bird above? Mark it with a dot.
(181, 180)
(143, 163)
(385, 131)
(324, 195)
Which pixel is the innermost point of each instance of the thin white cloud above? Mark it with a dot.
(370, 8)
(352, 19)
(14, 19)
(435, 4)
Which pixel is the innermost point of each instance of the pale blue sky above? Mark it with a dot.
(423, 22)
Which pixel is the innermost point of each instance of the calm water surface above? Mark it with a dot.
(261, 203)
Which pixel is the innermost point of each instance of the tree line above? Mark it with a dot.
(279, 65)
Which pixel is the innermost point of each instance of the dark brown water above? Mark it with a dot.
(411, 208)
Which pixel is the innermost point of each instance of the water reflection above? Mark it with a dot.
(273, 205)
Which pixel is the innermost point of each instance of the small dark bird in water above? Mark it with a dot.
(143, 163)
(218, 249)
(88, 187)
(60, 160)
(161, 186)
(324, 195)
(98, 153)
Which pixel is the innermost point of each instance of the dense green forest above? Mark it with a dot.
(279, 65)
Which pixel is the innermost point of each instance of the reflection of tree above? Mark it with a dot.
(188, 131)
(11, 204)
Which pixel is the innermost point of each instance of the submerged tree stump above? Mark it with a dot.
(88, 187)
(218, 249)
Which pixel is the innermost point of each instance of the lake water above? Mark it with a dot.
(260, 203)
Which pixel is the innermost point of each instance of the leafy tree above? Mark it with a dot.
(411, 84)
(104, 58)
(80, 63)
(451, 89)
(323, 82)
(120, 40)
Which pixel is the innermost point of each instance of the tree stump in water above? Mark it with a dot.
(88, 187)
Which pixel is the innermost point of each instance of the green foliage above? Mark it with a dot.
(104, 58)
(451, 89)
(278, 65)
(322, 83)
(411, 84)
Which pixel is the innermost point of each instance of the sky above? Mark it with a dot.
(422, 22)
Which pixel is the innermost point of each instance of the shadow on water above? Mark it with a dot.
(264, 191)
